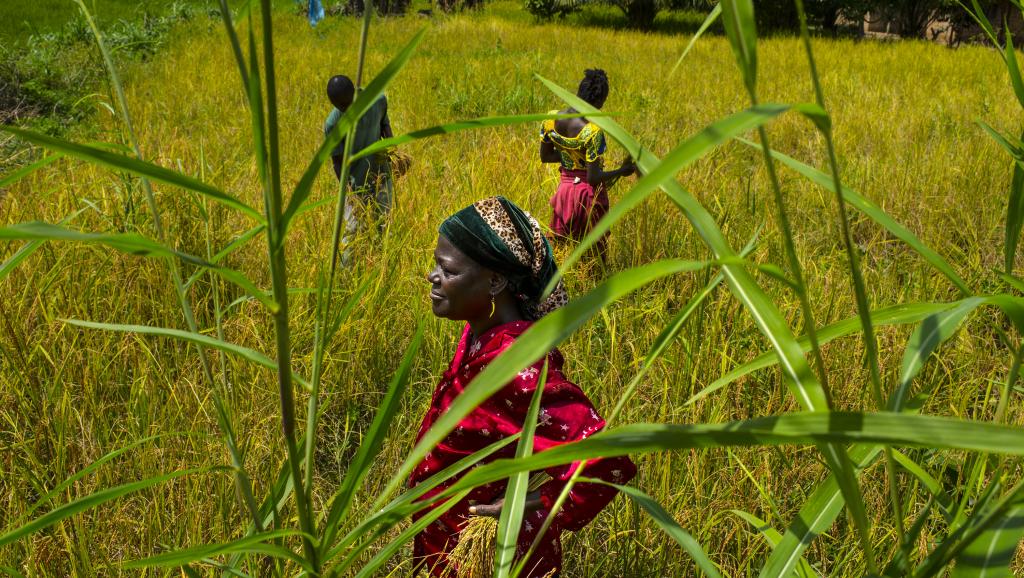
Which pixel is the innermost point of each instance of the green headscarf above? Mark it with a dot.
(500, 236)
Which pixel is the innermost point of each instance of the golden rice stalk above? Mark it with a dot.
(474, 554)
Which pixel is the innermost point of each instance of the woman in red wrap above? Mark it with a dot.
(492, 263)
(578, 145)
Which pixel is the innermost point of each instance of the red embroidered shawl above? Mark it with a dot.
(566, 415)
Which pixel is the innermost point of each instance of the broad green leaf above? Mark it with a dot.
(683, 155)
(667, 523)
(131, 243)
(892, 315)
(712, 16)
(738, 17)
(198, 338)
(515, 492)
(535, 343)
(131, 165)
(803, 383)
(92, 500)
(932, 332)
(360, 466)
(773, 537)
(257, 543)
(875, 213)
(363, 102)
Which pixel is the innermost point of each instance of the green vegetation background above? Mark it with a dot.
(904, 116)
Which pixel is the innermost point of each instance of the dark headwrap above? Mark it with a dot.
(500, 236)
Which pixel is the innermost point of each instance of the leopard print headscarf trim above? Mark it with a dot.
(497, 218)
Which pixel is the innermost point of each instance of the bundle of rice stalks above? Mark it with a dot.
(474, 554)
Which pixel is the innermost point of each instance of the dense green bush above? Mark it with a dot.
(546, 9)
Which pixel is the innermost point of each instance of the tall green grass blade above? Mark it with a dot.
(16, 175)
(815, 517)
(482, 122)
(128, 164)
(1014, 148)
(803, 384)
(398, 509)
(359, 467)
(667, 523)
(928, 481)
(88, 470)
(93, 500)
(1014, 216)
(932, 332)
(131, 243)
(689, 151)
(899, 565)
(362, 103)
(416, 527)
(276, 258)
(893, 315)
(773, 537)
(711, 17)
(31, 247)
(257, 543)
(738, 17)
(198, 338)
(665, 338)
(800, 428)
(125, 242)
(1012, 67)
(991, 552)
(995, 523)
(536, 342)
(875, 213)
(236, 46)
(515, 492)
(229, 249)
(979, 16)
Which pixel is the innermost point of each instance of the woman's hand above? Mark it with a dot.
(494, 510)
(628, 167)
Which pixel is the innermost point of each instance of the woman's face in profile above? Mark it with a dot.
(459, 286)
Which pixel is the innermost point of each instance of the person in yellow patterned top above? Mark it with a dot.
(578, 145)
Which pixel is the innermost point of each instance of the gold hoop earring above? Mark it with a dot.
(492, 307)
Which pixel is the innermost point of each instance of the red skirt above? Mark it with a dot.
(577, 205)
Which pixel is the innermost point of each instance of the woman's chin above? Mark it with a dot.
(440, 309)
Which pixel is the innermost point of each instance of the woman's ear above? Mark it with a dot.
(498, 283)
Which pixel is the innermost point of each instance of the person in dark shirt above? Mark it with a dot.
(369, 178)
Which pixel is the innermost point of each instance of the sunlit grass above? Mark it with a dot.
(904, 130)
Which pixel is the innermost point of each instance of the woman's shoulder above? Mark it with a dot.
(589, 131)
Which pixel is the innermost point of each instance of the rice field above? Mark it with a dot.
(904, 118)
